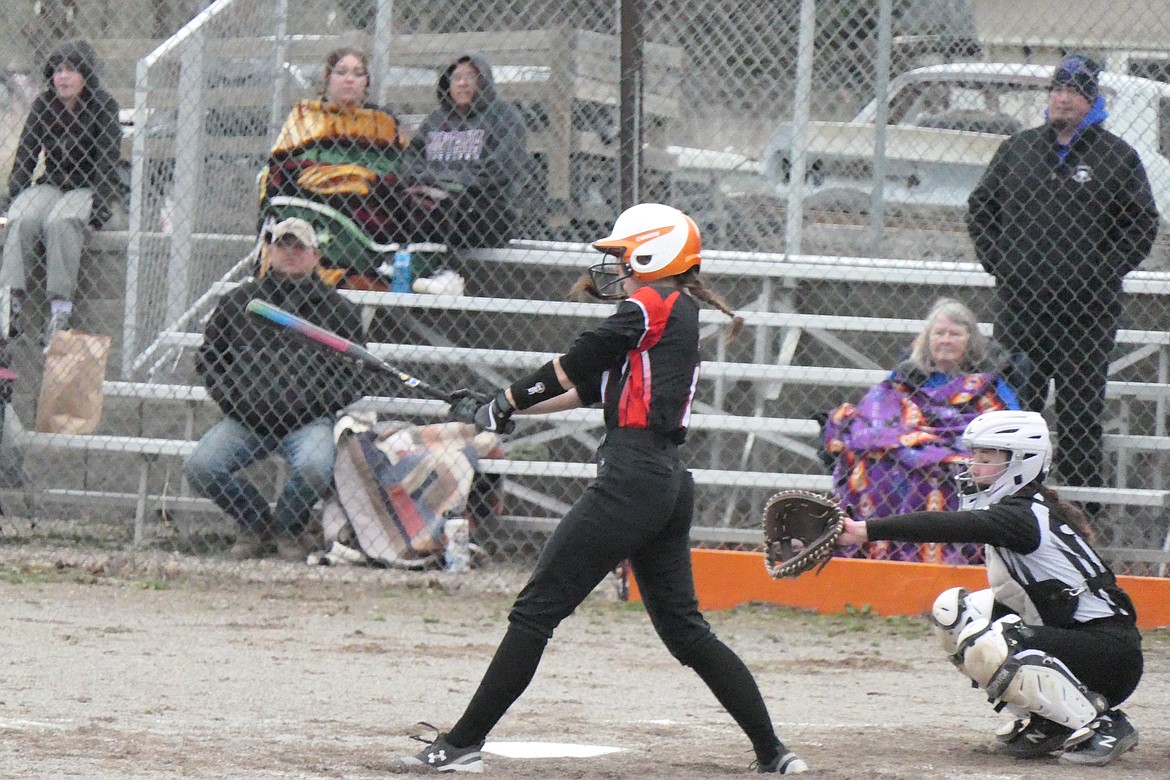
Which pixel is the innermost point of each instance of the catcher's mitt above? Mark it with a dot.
(800, 531)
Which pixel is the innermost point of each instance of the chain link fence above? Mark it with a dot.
(826, 149)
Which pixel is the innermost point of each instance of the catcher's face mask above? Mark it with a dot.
(609, 274)
(980, 479)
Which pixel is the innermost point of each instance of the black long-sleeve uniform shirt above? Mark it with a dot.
(642, 362)
(1028, 542)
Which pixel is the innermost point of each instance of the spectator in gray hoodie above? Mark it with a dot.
(466, 161)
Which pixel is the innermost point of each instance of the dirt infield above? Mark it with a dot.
(109, 677)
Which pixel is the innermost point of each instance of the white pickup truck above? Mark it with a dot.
(944, 124)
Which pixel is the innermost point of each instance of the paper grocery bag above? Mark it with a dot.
(71, 391)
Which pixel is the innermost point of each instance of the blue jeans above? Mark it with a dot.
(229, 446)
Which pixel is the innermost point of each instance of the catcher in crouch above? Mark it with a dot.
(641, 365)
(1054, 638)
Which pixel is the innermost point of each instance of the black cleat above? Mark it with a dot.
(1100, 742)
(1034, 738)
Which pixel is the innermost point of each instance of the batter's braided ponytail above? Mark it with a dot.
(690, 281)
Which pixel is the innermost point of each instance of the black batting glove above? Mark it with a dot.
(496, 415)
(464, 404)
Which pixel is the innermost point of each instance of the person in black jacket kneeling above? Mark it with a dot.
(276, 394)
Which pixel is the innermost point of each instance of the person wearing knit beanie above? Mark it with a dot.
(1062, 213)
(1079, 73)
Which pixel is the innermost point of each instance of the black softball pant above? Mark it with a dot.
(1105, 655)
(640, 507)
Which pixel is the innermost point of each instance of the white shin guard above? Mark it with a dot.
(1029, 679)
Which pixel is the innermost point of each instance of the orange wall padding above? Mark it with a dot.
(725, 579)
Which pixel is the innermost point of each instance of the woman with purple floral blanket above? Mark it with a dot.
(893, 449)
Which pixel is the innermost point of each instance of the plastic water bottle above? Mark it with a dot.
(457, 550)
(400, 271)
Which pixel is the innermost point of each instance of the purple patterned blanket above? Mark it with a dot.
(894, 451)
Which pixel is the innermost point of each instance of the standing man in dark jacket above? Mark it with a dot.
(467, 159)
(275, 393)
(74, 123)
(1062, 214)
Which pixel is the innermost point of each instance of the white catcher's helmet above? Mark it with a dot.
(1024, 435)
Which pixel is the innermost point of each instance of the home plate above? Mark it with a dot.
(547, 750)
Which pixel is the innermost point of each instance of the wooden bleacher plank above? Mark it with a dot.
(805, 375)
(755, 536)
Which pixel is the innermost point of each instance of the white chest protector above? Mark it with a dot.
(1063, 557)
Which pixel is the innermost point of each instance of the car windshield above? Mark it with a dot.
(996, 107)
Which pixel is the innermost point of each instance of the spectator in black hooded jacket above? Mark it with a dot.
(74, 123)
(1064, 211)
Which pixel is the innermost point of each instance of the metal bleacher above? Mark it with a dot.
(791, 459)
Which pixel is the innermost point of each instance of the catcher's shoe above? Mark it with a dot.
(1103, 740)
(787, 763)
(440, 755)
(1009, 731)
(1035, 738)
